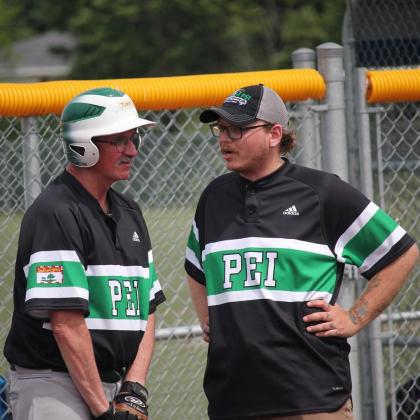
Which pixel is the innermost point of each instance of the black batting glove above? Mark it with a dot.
(132, 398)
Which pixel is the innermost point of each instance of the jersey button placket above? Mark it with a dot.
(251, 206)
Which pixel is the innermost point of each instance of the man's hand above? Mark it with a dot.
(112, 414)
(333, 321)
(132, 398)
(206, 330)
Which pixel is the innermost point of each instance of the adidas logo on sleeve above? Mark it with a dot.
(136, 237)
(291, 211)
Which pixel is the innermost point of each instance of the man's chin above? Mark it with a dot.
(230, 166)
(123, 176)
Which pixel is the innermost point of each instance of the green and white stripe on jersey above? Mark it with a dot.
(55, 274)
(119, 293)
(119, 296)
(193, 253)
(368, 238)
(277, 269)
(156, 287)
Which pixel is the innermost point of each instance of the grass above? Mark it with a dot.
(176, 375)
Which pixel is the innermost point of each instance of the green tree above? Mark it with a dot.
(158, 37)
(39, 16)
(131, 38)
(11, 26)
(310, 24)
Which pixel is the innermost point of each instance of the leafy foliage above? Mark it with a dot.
(11, 28)
(131, 38)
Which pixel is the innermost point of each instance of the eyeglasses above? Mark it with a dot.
(121, 143)
(233, 132)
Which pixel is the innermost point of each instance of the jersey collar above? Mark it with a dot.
(85, 196)
(267, 180)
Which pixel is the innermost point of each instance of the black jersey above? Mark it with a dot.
(263, 249)
(71, 256)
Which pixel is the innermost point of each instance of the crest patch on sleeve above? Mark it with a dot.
(49, 274)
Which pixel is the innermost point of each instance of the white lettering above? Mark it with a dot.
(130, 310)
(116, 295)
(251, 260)
(231, 269)
(269, 281)
(136, 286)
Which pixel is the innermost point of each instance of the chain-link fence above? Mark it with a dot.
(385, 32)
(178, 159)
(396, 159)
(380, 34)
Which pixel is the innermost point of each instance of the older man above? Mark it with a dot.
(86, 290)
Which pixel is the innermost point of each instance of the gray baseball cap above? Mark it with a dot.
(249, 104)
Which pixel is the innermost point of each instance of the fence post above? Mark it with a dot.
(374, 329)
(334, 159)
(333, 121)
(304, 58)
(31, 160)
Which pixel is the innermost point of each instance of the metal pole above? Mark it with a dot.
(391, 347)
(304, 58)
(350, 88)
(31, 160)
(334, 159)
(363, 132)
(374, 329)
(334, 144)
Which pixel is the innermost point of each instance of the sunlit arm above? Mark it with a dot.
(199, 298)
(139, 369)
(75, 344)
(379, 293)
(382, 289)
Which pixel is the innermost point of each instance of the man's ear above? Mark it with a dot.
(276, 135)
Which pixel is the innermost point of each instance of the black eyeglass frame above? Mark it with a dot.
(217, 129)
(120, 143)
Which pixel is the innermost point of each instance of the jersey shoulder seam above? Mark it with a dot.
(315, 190)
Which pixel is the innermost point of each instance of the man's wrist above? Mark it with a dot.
(105, 413)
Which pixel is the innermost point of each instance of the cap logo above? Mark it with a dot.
(239, 98)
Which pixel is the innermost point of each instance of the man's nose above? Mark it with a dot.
(130, 149)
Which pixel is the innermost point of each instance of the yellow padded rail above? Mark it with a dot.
(393, 85)
(32, 99)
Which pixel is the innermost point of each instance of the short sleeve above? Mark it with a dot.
(156, 295)
(360, 232)
(193, 257)
(52, 245)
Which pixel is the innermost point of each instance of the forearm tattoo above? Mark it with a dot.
(360, 311)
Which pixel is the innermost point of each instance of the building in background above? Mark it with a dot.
(43, 57)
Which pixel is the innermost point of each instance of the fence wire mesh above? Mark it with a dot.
(178, 159)
(386, 32)
(396, 158)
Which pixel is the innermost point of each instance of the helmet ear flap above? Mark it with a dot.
(82, 154)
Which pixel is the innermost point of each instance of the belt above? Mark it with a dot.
(107, 376)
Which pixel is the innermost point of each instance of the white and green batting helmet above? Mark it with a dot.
(96, 112)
